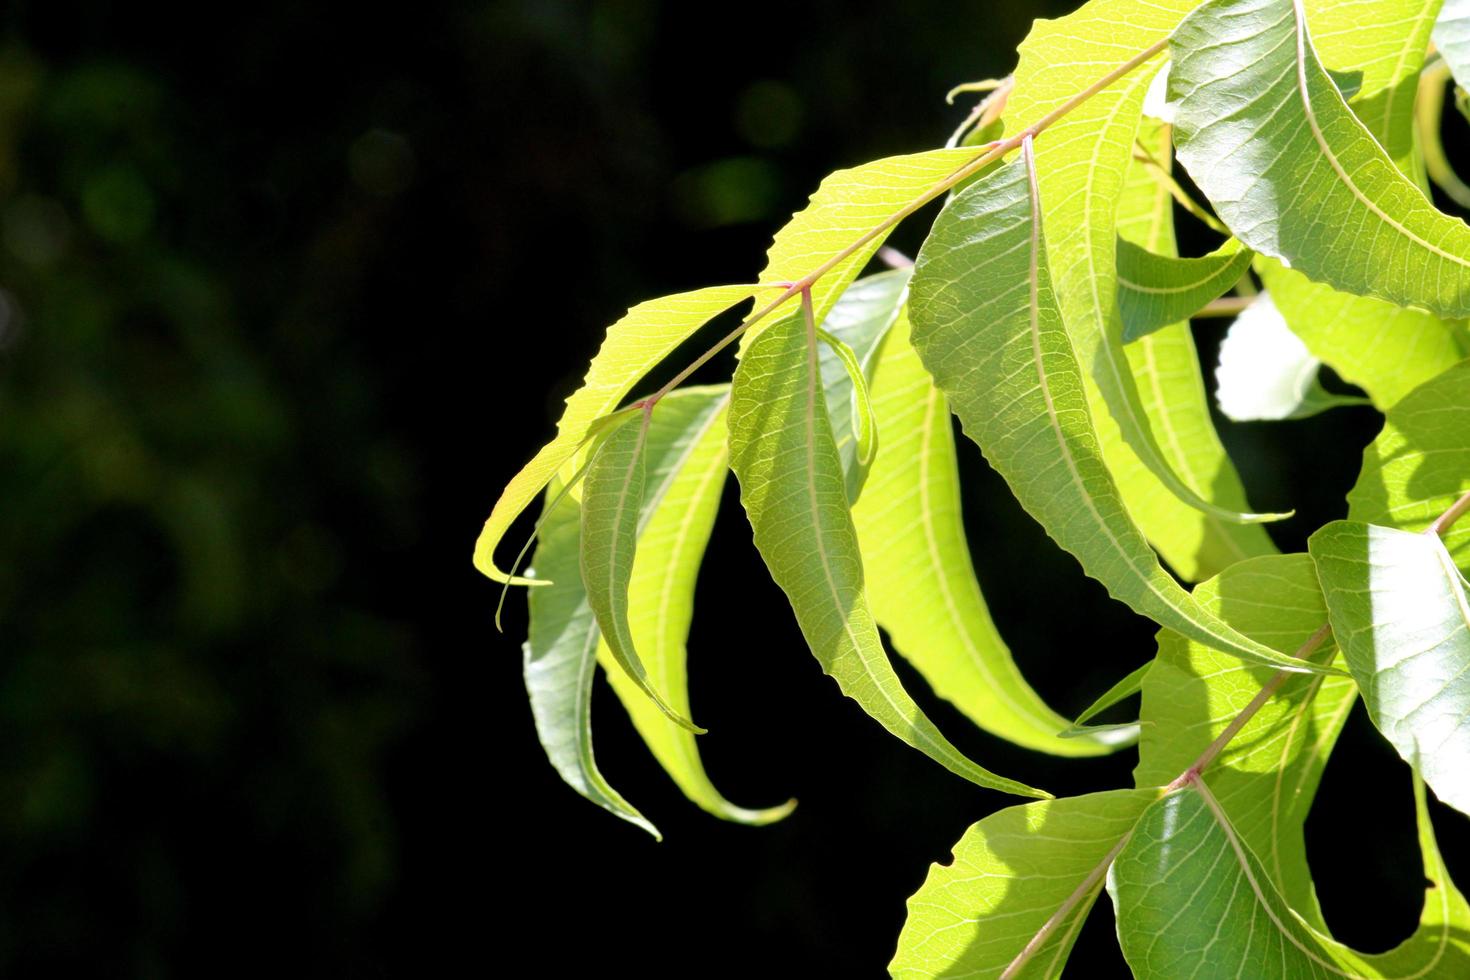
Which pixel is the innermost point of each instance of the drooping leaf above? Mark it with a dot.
(1384, 349)
(1267, 373)
(647, 334)
(612, 508)
(1157, 290)
(686, 472)
(1266, 135)
(1399, 609)
(1003, 358)
(1082, 162)
(1130, 685)
(1010, 873)
(791, 484)
(1420, 463)
(860, 318)
(1191, 894)
(921, 583)
(1267, 777)
(1166, 364)
(561, 661)
(849, 204)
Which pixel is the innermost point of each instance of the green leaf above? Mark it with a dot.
(1384, 349)
(561, 660)
(647, 334)
(988, 330)
(612, 506)
(1167, 367)
(1130, 685)
(1190, 893)
(859, 320)
(1081, 163)
(1266, 135)
(1010, 873)
(848, 205)
(1267, 373)
(1400, 611)
(1157, 290)
(791, 484)
(1267, 777)
(686, 472)
(1420, 463)
(921, 583)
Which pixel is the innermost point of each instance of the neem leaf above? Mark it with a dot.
(1420, 463)
(791, 484)
(1400, 611)
(1190, 893)
(921, 583)
(1157, 290)
(561, 660)
(647, 334)
(988, 330)
(1011, 872)
(1266, 135)
(1267, 373)
(612, 506)
(1131, 684)
(1082, 163)
(1267, 777)
(1452, 38)
(686, 473)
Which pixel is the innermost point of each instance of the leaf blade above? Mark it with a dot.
(791, 486)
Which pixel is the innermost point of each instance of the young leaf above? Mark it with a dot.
(1267, 777)
(1081, 168)
(860, 319)
(1157, 290)
(1266, 135)
(791, 485)
(686, 472)
(1265, 371)
(1420, 463)
(1131, 684)
(612, 506)
(1384, 349)
(1011, 871)
(1167, 367)
(647, 334)
(1189, 892)
(987, 328)
(849, 204)
(561, 659)
(1400, 611)
(920, 580)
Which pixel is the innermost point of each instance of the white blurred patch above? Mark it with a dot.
(1156, 102)
(1265, 370)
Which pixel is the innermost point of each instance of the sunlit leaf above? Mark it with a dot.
(1003, 358)
(921, 583)
(1010, 873)
(647, 334)
(1400, 611)
(1267, 373)
(1130, 685)
(791, 484)
(1452, 38)
(1190, 893)
(1157, 290)
(1266, 135)
(686, 473)
(1420, 463)
(1267, 777)
(1165, 363)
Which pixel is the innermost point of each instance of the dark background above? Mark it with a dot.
(285, 298)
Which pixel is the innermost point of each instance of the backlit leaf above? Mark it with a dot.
(1157, 290)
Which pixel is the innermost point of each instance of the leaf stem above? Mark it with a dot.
(988, 154)
(1225, 306)
(1456, 511)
